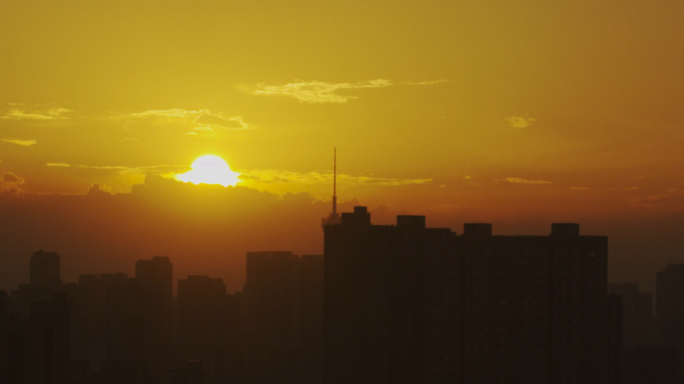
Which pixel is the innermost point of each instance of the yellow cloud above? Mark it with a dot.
(524, 181)
(284, 176)
(520, 121)
(10, 180)
(63, 165)
(53, 113)
(25, 143)
(319, 92)
(198, 119)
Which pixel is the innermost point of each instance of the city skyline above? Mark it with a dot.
(512, 114)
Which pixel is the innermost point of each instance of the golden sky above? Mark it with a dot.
(490, 110)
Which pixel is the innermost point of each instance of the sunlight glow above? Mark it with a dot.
(210, 169)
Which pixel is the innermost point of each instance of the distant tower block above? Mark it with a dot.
(45, 268)
(334, 217)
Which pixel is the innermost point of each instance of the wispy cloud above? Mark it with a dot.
(670, 200)
(520, 121)
(36, 113)
(25, 143)
(9, 177)
(284, 176)
(10, 181)
(151, 169)
(265, 176)
(198, 120)
(518, 180)
(319, 92)
(431, 82)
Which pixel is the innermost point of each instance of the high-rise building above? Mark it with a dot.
(670, 309)
(201, 312)
(637, 314)
(650, 364)
(282, 318)
(155, 280)
(107, 319)
(410, 304)
(45, 268)
(44, 281)
(35, 349)
(670, 305)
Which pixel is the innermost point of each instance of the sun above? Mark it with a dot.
(209, 169)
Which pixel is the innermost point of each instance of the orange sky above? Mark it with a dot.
(509, 112)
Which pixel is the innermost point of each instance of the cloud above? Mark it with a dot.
(52, 113)
(580, 188)
(9, 177)
(671, 200)
(319, 92)
(520, 121)
(149, 169)
(432, 82)
(25, 143)
(206, 129)
(524, 181)
(10, 182)
(63, 165)
(284, 176)
(198, 119)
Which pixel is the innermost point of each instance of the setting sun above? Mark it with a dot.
(210, 169)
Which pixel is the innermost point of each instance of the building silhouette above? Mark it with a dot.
(282, 318)
(155, 282)
(44, 281)
(207, 328)
(45, 268)
(107, 320)
(650, 364)
(637, 314)
(35, 349)
(410, 304)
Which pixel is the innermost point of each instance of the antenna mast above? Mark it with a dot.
(334, 211)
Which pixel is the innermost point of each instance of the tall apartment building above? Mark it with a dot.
(107, 319)
(155, 282)
(282, 318)
(670, 310)
(409, 304)
(45, 268)
(35, 349)
(44, 281)
(637, 314)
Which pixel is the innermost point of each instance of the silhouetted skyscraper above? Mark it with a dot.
(637, 314)
(670, 305)
(201, 312)
(108, 325)
(35, 349)
(670, 309)
(45, 268)
(45, 281)
(385, 321)
(282, 317)
(409, 304)
(155, 280)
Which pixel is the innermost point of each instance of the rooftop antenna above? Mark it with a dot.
(335, 182)
(334, 217)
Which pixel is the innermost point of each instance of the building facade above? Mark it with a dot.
(410, 304)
